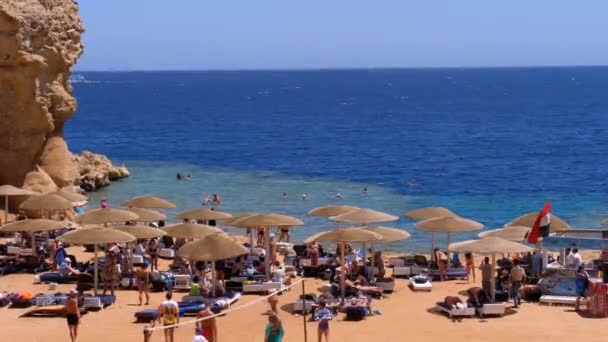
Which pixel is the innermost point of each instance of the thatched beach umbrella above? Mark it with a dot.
(33, 225)
(448, 225)
(332, 210)
(147, 215)
(217, 246)
(364, 216)
(527, 220)
(429, 212)
(203, 214)
(267, 221)
(71, 196)
(105, 216)
(9, 191)
(142, 232)
(388, 234)
(46, 202)
(96, 236)
(490, 245)
(190, 231)
(230, 220)
(148, 202)
(342, 236)
(511, 233)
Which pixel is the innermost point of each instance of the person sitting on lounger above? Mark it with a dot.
(66, 268)
(454, 302)
(478, 296)
(370, 290)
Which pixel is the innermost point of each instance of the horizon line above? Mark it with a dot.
(303, 69)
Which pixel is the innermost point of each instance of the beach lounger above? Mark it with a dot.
(147, 315)
(46, 311)
(219, 304)
(181, 282)
(303, 305)
(55, 277)
(420, 283)
(450, 273)
(402, 271)
(388, 285)
(99, 302)
(13, 250)
(238, 279)
(455, 312)
(492, 309)
(560, 300)
(21, 303)
(271, 286)
(50, 299)
(137, 260)
(290, 271)
(166, 253)
(190, 309)
(253, 288)
(396, 262)
(193, 299)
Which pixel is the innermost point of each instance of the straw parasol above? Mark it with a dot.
(213, 247)
(342, 236)
(203, 214)
(46, 202)
(6, 216)
(33, 225)
(190, 230)
(240, 239)
(364, 216)
(489, 245)
(527, 220)
(149, 202)
(147, 215)
(388, 235)
(266, 221)
(9, 190)
(448, 225)
(236, 218)
(429, 212)
(332, 210)
(96, 236)
(142, 232)
(511, 233)
(71, 196)
(105, 216)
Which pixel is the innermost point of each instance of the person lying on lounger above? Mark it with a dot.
(370, 290)
(66, 268)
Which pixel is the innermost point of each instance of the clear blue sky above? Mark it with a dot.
(284, 34)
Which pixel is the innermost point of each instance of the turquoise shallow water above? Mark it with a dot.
(244, 191)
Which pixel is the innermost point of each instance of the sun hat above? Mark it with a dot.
(67, 260)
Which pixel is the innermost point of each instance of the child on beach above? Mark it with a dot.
(274, 330)
(323, 315)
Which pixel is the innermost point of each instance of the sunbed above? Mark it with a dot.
(98, 302)
(45, 311)
(454, 311)
(450, 273)
(50, 299)
(388, 284)
(218, 304)
(491, 309)
(420, 283)
(166, 253)
(560, 300)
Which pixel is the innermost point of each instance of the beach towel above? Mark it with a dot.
(147, 315)
(356, 313)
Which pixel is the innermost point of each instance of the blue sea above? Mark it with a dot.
(490, 144)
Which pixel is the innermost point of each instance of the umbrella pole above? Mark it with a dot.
(95, 271)
(342, 273)
(213, 279)
(5, 209)
(493, 282)
(373, 263)
(267, 258)
(250, 241)
(449, 240)
(364, 246)
(433, 246)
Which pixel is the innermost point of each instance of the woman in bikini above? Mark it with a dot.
(153, 252)
(470, 265)
(142, 279)
(73, 314)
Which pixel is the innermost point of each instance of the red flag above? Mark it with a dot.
(541, 225)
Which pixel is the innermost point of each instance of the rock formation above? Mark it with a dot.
(97, 170)
(39, 43)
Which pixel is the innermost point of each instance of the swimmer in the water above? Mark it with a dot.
(284, 195)
(188, 177)
(410, 184)
(338, 195)
(365, 190)
(304, 197)
(207, 200)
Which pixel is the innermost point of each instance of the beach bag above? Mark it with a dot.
(311, 271)
(147, 315)
(356, 313)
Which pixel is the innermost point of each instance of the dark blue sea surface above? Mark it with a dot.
(489, 143)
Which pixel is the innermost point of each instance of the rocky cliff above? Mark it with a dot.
(40, 40)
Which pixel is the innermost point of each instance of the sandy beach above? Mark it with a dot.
(405, 315)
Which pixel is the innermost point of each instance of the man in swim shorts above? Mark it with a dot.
(73, 314)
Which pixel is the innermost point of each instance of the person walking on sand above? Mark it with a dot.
(487, 272)
(73, 314)
(581, 282)
(274, 330)
(208, 326)
(169, 314)
(517, 276)
(148, 331)
(142, 278)
(323, 315)
(442, 261)
(469, 263)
